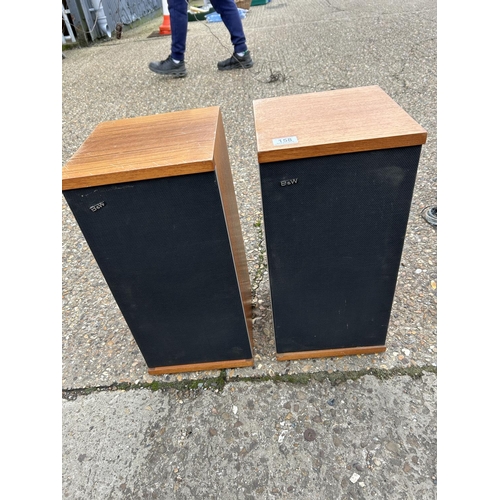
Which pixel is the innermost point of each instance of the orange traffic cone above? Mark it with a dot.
(165, 27)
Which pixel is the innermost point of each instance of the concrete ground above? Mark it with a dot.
(358, 427)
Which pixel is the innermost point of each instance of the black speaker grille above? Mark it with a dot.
(335, 229)
(163, 248)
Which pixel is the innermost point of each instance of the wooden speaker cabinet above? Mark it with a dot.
(154, 199)
(337, 172)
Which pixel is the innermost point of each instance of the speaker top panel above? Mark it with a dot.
(145, 147)
(332, 122)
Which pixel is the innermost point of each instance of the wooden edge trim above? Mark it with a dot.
(295, 153)
(85, 181)
(233, 224)
(195, 367)
(329, 353)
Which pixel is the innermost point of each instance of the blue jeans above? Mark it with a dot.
(177, 10)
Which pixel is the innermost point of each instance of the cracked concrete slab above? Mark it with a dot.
(261, 436)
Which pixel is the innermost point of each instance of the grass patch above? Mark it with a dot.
(218, 383)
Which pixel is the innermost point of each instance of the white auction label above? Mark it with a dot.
(285, 140)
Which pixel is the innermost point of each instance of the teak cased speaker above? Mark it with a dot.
(154, 199)
(337, 172)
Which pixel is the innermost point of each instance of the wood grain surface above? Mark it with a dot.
(329, 353)
(332, 122)
(195, 367)
(145, 147)
(230, 207)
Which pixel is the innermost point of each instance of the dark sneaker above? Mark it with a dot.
(236, 62)
(169, 67)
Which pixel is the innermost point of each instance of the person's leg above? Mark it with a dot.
(231, 18)
(174, 64)
(177, 10)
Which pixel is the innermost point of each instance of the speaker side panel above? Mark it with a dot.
(163, 248)
(335, 229)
